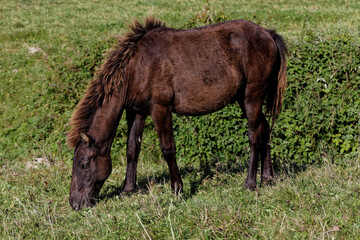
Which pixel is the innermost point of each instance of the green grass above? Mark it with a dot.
(38, 92)
(316, 203)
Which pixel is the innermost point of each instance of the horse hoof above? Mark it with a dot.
(177, 188)
(267, 178)
(251, 185)
(127, 191)
(129, 188)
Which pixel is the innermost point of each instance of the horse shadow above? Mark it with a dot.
(196, 175)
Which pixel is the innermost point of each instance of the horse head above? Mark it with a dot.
(91, 167)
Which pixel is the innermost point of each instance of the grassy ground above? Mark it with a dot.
(44, 50)
(317, 203)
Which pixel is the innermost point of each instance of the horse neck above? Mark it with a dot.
(105, 120)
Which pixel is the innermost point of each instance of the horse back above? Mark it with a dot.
(198, 71)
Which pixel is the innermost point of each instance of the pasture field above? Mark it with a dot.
(49, 50)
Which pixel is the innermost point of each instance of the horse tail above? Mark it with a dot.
(110, 78)
(278, 79)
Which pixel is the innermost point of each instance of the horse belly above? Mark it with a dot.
(195, 98)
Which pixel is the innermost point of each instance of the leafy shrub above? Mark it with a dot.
(320, 117)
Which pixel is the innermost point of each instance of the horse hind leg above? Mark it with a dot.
(259, 137)
(252, 111)
(267, 171)
(135, 129)
(251, 104)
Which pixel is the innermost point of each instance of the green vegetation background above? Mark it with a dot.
(49, 50)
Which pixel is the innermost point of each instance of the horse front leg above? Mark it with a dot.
(135, 130)
(162, 118)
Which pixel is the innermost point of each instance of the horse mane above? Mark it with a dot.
(109, 78)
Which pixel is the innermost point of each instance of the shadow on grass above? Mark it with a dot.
(195, 174)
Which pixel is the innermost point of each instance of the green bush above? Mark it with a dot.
(320, 117)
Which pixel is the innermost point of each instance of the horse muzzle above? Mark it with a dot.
(78, 202)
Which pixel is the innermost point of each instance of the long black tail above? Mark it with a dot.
(277, 85)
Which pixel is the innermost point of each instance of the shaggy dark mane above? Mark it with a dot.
(109, 78)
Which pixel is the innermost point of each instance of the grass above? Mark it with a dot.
(47, 55)
(317, 203)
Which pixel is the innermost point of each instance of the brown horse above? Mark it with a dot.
(156, 71)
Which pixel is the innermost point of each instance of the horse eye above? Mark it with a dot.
(85, 165)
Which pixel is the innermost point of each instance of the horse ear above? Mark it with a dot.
(86, 138)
